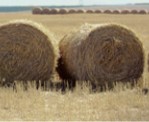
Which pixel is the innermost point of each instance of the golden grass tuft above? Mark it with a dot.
(101, 54)
(27, 52)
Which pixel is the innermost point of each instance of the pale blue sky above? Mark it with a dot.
(66, 2)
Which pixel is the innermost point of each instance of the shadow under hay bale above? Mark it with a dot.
(46, 11)
(101, 54)
(27, 52)
(37, 11)
(63, 11)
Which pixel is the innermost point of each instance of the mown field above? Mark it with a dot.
(122, 103)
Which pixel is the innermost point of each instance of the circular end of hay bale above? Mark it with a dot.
(116, 12)
(46, 11)
(134, 12)
(72, 11)
(63, 11)
(89, 11)
(37, 11)
(27, 52)
(101, 54)
(125, 12)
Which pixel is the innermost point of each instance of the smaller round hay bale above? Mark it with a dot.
(80, 11)
(37, 11)
(125, 12)
(63, 11)
(134, 11)
(71, 11)
(98, 11)
(116, 12)
(46, 11)
(28, 52)
(54, 11)
(107, 12)
(101, 54)
(143, 12)
(90, 11)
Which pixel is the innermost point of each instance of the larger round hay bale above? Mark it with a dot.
(134, 11)
(89, 11)
(116, 12)
(72, 11)
(54, 11)
(101, 54)
(27, 52)
(46, 11)
(63, 11)
(143, 12)
(98, 11)
(125, 11)
(37, 11)
(107, 12)
(80, 11)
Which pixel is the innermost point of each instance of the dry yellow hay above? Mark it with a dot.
(125, 12)
(101, 54)
(134, 12)
(54, 11)
(107, 12)
(89, 11)
(37, 11)
(72, 11)
(116, 12)
(46, 11)
(27, 52)
(63, 11)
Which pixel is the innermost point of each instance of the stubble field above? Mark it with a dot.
(120, 104)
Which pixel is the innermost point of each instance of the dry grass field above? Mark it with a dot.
(122, 103)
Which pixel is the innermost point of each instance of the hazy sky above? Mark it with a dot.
(67, 2)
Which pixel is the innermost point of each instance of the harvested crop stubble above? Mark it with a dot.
(27, 52)
(37, 11)
(101, 54)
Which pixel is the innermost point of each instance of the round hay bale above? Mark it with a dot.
(46, 11)
(134, 12)
(63, 11)
(107, 12)
(27, 52)
(72, 11)
(101, 54)
(97, 11)
(116, 12)
(89, 11)
(80, 11)
(54, 11)
(125, 12)
(37, 11)
(143, 12)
